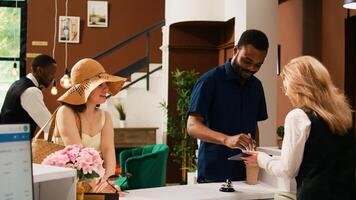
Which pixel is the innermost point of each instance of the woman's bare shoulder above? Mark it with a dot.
(106, 117)
(106, 113)
(65, 111)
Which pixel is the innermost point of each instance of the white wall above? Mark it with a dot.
(165, 77)
(142, 107)
(249, 14)
(262, 15)
(194, 10)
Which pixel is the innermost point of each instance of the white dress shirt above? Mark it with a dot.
(296, 132)
(32, 102)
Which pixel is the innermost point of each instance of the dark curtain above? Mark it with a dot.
(350, 63)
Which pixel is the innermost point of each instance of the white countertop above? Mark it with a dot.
(206, 191)
(46, 173)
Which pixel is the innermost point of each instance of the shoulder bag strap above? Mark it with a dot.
(79, 123)
(51, 129)
(103, 119)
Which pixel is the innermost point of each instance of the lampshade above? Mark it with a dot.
(350, 4)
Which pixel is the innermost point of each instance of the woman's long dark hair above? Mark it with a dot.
(76, 108)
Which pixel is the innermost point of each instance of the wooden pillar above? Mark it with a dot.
(312, 22)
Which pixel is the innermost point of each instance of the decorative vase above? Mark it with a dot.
(80, 190)
(83, 186)
(252, 171)
(122, 123)
(192, 178)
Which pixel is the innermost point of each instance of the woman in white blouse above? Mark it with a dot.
(318, 147)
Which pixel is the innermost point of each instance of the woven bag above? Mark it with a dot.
(41, 148)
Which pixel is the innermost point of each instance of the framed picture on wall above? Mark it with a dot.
(97, 14)
(69, 27)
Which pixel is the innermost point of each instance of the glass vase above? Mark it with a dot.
(83, 186)
(80, 190)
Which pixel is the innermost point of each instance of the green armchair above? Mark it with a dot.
(147, 165)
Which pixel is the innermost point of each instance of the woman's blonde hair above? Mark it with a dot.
(308, 85)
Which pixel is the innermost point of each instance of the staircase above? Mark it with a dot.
(142, 107)
(142, 95)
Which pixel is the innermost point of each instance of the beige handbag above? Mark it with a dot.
(41, 148)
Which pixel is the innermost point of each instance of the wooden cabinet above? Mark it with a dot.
(134, 137)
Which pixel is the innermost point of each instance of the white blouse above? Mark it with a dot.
(296, 132)
(32, 102)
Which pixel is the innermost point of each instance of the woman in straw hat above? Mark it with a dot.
(80, 121)
(318, 147)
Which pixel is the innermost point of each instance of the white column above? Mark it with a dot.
(262, 15)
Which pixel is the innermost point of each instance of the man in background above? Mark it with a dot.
(24, 99)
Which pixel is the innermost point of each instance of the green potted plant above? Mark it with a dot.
(184, 146)
(280, 135)
(122, 114)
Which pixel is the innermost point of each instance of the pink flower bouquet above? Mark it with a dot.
(86, 161)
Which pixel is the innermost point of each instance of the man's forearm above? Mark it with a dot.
(199, 130)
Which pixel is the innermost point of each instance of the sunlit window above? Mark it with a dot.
(10, 44)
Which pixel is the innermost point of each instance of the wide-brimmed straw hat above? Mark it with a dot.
(86, 75)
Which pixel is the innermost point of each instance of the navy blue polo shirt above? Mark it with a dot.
(228, 107)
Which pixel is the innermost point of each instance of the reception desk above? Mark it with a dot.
(265, 189)
(208, 191)
(57, 183)
(54, 183)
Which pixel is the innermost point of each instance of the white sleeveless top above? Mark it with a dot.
(95, 140)
(87, 140)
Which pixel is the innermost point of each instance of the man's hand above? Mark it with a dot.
(242, 141)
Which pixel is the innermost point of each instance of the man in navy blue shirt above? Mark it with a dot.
(225, 106)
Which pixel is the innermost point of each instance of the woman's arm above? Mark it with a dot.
(107, 146)
(297, 129)
(67, 126)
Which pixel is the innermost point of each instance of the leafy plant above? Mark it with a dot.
(280, 131)
(121, 111)
(185, 146)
